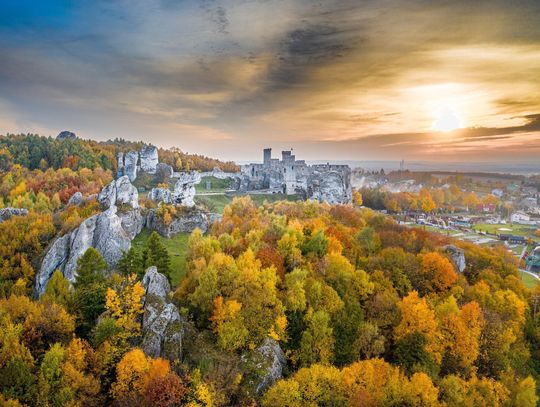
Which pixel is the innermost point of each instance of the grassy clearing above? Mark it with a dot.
(216, 185)
(528, 280)
(517, 230)
(176, 246)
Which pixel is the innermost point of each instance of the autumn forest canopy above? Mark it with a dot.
(348, 307)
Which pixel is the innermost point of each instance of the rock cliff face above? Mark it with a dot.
(162, 326)
(329, 187)
(187, 222)
(7, 213)
(130, 165)
(160, 195)
(109, 232)
(103, 231)
(149, 159)
(184, 189)
(458, 257)
(119, 192)
(264, 366)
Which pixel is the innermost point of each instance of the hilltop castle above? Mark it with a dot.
(323, 182)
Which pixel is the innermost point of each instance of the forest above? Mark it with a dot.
(365, 312)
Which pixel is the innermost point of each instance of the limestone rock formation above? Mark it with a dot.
(76, 199)
(66, 135)
(7, 213)
(458, 257)
(149, 159)
(265, 365)
(160, 195)
(120, 161)
(162, 326)
(129, 167)
(119, 192)
(184, 189)
(329, 187)
(133, 222)
(185, 222)
(103, 231)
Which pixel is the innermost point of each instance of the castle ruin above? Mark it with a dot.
(323, 182)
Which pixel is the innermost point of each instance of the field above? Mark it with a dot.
(528, 280)
(517, 230)
(216, 185)
(176, 246)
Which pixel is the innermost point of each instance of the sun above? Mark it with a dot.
(447, 120)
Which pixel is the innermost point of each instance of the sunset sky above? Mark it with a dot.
(379, 80)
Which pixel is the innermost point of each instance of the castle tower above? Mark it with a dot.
(267, 156)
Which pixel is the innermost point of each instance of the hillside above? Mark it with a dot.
(276, 304)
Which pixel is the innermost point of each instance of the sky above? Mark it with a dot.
(339, 80)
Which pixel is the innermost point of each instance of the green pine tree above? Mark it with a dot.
(131, 263)
(90, 289)
(157, 255)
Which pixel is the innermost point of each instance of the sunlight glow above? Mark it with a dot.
(447, 120)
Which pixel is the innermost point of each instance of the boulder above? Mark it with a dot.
(162, 325)
(184, 189)
(184, 222)
(457, 255)
(131, 159)
(119, 192)
(161, 195)
(66, 135)
(149, 159)
(264, 365)
(76, 199)
(7, 213)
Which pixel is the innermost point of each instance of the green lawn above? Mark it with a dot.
(528, 280)
(176, 246)
(517, 230)
(216, 185)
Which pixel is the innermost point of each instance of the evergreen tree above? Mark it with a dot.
(131, 263)
(157, 255)
(90, 288)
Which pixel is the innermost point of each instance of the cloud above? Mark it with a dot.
(369, 75)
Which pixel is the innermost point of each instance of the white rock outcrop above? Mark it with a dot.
(7, 213)
(162, 325)
(149, 159)
(76, 199)
(184, 189)
(161, 195)
(119, 192)
(103, 231)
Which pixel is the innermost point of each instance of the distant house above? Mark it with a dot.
(497, 192)
(486, 208)
(520, 217)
